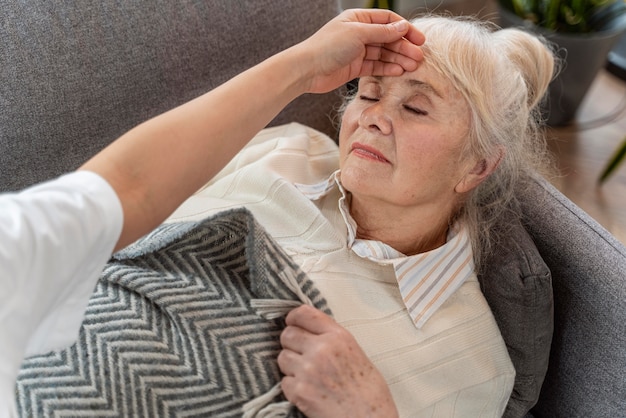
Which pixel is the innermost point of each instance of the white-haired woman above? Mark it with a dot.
(393, 225)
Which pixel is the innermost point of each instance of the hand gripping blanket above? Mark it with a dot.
(184, 322)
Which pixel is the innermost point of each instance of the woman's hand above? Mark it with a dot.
(357, 43)
(327, 374)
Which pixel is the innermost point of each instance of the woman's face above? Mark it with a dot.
(401, 140)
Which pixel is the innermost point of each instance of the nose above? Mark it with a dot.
(374, 117)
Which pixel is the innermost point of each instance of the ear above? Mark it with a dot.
(481, 170)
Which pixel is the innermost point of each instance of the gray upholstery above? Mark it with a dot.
(587, 372)
(75, 75)
(517, 284)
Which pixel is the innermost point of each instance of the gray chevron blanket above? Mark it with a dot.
(173, 329)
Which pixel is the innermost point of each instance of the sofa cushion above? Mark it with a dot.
(517, 285)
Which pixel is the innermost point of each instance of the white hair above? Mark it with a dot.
(503, 74)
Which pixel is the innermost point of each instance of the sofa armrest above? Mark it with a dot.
(587, 363)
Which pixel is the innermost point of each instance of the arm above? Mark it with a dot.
(327, 374)
(157, 165)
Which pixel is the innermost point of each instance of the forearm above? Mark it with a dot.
(157, 165)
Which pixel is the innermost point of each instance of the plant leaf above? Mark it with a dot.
(573, 16)
(552, 14)
(614, 162)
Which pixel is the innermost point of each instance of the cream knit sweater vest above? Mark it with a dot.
(456, 365)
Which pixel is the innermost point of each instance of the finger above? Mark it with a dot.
(389, 22)
(382, 69)
(289, 385)
(310, 319)
(407, 63)
(405, 48)
(288, 362)
(389, 33)
(295, 339)
(411, 33)
(377, 53)
(401, 47)
(379, 16)
(414, 35)
(304, 397)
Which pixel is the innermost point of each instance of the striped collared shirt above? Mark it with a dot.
(425, 280)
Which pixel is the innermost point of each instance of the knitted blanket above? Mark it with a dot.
(185, 322)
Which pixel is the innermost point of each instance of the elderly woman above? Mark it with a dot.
(394, 224)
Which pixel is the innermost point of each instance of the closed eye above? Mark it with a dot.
(368, 99)
(416, 110)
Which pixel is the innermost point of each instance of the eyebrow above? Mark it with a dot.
(417, 84)
(422, 85)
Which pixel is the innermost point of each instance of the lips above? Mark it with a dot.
(367, 152)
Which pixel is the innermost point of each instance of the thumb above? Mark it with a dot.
(386, 33)
(401, 26)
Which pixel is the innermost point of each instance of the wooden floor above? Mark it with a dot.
(583, 149)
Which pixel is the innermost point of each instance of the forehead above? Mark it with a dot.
(446, 103)
(424, 80)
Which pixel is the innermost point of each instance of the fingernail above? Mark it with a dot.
(401, 25)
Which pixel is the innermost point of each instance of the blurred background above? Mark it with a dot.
(482, 8)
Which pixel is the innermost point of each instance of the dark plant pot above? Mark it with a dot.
(583, 56)
(617, 59)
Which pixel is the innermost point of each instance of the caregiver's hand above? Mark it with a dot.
(357, 43)
(327, 374)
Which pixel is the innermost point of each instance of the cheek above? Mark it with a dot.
(349, 123)
(428, 161)
(350, 117)
(420, 154)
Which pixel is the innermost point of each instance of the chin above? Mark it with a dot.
(360, 179)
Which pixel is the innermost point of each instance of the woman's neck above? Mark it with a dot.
(408, 230)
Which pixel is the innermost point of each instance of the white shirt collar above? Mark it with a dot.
(425, 280)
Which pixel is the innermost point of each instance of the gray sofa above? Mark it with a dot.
(75, 75)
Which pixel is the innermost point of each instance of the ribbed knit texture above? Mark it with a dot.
(456, 365)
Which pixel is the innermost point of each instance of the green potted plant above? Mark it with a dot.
(573, 16)
(585, 31)
(381, 4)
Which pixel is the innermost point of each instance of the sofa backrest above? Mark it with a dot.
(76, 75)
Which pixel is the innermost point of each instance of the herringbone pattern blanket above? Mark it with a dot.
(170, 330)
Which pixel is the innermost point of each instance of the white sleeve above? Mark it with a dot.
(55, 238)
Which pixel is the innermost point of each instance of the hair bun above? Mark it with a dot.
(532, 56)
